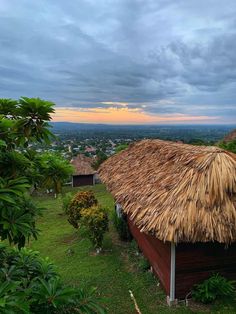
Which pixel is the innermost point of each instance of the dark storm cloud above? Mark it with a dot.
(156, 56)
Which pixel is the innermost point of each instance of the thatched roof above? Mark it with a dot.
(82, 165)
(177, 192)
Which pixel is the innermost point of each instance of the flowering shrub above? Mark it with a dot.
(81, 200)
(95, 221)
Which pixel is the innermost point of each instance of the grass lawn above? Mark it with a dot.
(113, 272)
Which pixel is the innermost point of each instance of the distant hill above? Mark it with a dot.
(58, 126)
(230, 136)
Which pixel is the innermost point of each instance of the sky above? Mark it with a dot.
(122, 61)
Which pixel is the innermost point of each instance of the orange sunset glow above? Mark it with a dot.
(123, 116)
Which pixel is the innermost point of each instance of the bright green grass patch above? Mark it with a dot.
(112, 272)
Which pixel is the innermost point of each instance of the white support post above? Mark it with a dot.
(171, 299)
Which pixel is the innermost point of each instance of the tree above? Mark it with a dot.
(21, 122)
(121, 147)
(55, 171)
(101, 157)
(27, 119)
(230, 146)
(28, 283)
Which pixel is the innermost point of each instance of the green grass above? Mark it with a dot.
(113, 272)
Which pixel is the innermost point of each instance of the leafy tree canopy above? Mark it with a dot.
(22, 122)
(230, 146)
(121, 147)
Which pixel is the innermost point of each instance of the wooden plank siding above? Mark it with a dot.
(196, 262)
(157, 252)
(81, 180)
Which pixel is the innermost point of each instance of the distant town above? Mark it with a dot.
(95, 140)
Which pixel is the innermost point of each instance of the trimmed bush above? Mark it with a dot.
(95, 221)
(216, 287)
(82, 200)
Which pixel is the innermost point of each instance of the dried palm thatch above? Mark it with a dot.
(177, 192)
(82, 165)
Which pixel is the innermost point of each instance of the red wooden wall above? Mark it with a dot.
(80, 180)
(157, 252)
(196, 262)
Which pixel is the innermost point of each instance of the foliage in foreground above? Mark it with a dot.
(28, 283)
(81, 200)
(22, 122)
(216, 287)
(31, 284)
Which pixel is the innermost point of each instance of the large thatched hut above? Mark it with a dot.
(84, 174)
(180, 202)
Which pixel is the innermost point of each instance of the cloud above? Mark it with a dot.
(158, 57)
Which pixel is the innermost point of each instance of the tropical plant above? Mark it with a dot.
(55, 171)
(21, 122)
(47, 296)
(31, 284)
(8, 107)
(82, 200)
(213, 288)
(34, 113)
(17, 222)
(11, 300)
(95, 220)
(10, 189)
(13, 164)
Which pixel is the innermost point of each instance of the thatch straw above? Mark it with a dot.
(82, 165)
(177, 192)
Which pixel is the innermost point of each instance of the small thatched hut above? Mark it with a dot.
(84, 174)
(180, 202)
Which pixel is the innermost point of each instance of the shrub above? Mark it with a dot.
(95, 221)
(143, 264)
(137, 258)
(213, 288)
(31, 284)
(66, 200)
(81, 200)
(134, 248)
(122, 228)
